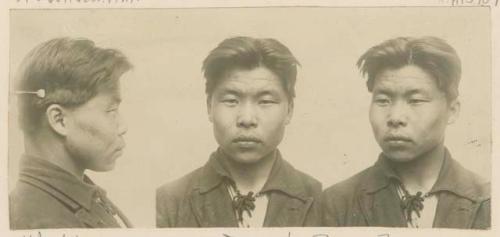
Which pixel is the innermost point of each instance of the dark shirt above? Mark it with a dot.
(370, 198)
(201, 199)
(46, 196)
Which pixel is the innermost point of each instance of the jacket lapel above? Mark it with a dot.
(454, 212)
(289, 202)
(213, 209)
(210, 200)
(382, 208)
(459, 198)
(378, 199)
(285, 211)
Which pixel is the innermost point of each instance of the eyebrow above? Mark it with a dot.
(391, 92)
(230, 91)
(383, 91)
(272, 93)
(416, 91)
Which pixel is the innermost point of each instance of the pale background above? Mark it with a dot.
(329, 137)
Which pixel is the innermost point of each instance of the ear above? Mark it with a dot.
(209, 109)
(290, 112)
(454, 111)
(56, 118)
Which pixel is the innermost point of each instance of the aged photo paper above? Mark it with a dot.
(167, 125)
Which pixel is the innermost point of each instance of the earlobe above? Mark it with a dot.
(454, 111)
(56, 119)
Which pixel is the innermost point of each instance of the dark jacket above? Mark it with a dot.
(200, 199)
(47, 196)
(370, 198)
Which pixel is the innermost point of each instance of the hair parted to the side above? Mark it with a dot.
(431, 54)
(247, 53)
(71, 71)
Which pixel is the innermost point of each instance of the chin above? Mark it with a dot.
(248, 158)
(399, 156)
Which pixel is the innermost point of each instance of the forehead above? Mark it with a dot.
(250, 81)
(402, 80)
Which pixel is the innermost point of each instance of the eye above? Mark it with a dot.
(230, 102)
(417, 101)
(382, 101)
(267, 102)
(112, 110)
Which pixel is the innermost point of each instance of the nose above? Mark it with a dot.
(397, 116)
(247, 116)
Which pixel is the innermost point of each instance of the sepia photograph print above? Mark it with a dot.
(226, 119)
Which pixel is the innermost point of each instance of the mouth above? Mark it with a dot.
(247, 142)
(119, 150)
(397, 140)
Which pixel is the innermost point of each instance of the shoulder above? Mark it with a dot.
(348, 187)
(172, 199)
(310, 184)
(179, 188)
(481, 187)
(475, 186)
(33, 208)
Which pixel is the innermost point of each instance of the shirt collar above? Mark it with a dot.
(452, 178)
(281, 178)
(82, 192)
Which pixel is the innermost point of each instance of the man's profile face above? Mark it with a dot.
(95, 132)
(408, 113)
(249, 110)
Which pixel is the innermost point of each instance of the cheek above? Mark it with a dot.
(222, 121)
(433, 126)
(100, 131)
(274, 121)
(376, 117)
(432, 118)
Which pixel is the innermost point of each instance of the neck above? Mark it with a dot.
(421, 173)
(250, 177)
(49, 148)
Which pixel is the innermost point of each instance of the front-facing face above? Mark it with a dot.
(409, 113)
(95, 132)
(249, 110)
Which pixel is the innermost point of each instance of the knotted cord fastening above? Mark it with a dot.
(243, 203)
(412, 203)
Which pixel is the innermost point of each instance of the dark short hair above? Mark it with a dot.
(431, 54)
(248, 53)
(71, 71)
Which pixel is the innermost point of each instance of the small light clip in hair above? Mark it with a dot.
(39, 93)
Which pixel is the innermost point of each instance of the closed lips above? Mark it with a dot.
(397, 139)
(247, 139)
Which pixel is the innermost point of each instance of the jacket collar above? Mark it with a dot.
(452, 178)
(382, 174)
(281, 177)
(82, 192)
